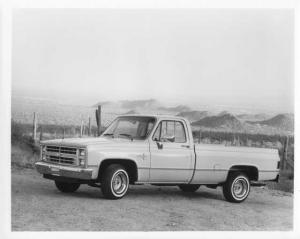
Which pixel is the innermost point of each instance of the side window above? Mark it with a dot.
(168, 131)
(179, 133)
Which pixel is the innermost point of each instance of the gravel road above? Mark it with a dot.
(38, 206)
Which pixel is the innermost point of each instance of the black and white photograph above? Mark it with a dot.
(151, 119)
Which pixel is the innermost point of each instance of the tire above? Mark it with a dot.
(66, 187)
(237, 187)
(114, 182)
(189, 187)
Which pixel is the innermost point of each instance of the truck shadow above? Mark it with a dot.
(173, 192)
(144, 193)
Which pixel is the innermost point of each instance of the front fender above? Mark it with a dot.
(138, 153)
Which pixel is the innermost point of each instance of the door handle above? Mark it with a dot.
(185, 146)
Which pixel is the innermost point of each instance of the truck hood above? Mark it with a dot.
(85, 141)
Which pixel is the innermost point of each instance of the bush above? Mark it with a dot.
(20, 137)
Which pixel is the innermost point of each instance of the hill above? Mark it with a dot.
(193, 116)
(280, 121)
(178, 108)
(224, 112)
(223, 122)
(253, 117)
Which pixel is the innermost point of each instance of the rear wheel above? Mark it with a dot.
(67, 187)
(189, 187)
(237, 187)
(114, 182)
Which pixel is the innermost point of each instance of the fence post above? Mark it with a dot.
(285, 152)
(89, 130)
(34, 126)
(81, 128)
(63, 132)
(41, 134)
(98, 119)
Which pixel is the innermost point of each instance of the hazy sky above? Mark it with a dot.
(238, 58)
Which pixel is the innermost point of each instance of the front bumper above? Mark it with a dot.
(65, 171)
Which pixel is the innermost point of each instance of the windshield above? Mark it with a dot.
(132, 127)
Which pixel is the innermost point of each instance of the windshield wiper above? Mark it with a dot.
(127, 135)
(109, 135)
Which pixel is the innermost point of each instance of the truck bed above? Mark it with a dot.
(214, 161)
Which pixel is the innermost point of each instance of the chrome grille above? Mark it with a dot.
(61, 155)
(67, 150)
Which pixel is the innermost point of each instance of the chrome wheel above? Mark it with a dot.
(119, 183)
(240, 188)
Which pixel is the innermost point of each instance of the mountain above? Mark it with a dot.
(178, 108)
(224, 122)
(224, 112)
(253, 117)
(280, 121)
(193, 116)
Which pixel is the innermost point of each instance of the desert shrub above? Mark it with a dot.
(17, 132)
(21, 138)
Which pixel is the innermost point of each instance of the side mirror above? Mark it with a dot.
(159, 145)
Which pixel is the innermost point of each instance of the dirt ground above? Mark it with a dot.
(38, 206)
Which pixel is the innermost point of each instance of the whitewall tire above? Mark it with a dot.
(237, 187)
(114, 182)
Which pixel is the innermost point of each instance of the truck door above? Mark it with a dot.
(171, 154)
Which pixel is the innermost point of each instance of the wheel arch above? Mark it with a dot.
(129, 164)
(250, 170)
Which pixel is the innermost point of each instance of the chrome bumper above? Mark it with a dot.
(64, 171)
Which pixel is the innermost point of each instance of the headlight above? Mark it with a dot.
(43, 157)
(43, 152)
(81, 162)
(81, 152)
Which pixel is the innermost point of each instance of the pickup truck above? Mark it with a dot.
(156, 150)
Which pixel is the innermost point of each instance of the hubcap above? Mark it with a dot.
(240, 188)
(119, 183)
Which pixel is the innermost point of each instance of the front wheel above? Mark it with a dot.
(189, 187)
(67, 187)
(237, 187)
(114, 182)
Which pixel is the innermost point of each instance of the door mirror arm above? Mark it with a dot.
(159, 145)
